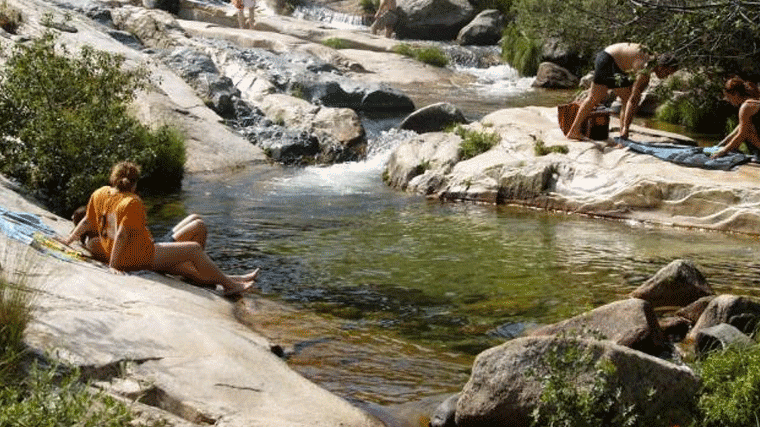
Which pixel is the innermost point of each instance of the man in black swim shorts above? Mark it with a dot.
(624, 68)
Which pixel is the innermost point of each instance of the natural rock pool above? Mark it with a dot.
(393, 295)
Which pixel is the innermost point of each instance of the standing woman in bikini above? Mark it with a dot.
(118, 216)
(746, 96)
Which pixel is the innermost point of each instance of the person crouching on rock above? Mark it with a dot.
(117, 214)
(746, 96)
(625, 69)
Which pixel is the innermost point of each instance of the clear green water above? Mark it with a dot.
(396, 294)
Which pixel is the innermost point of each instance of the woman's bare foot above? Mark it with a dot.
(250, 277)
(238, 289)
(579, 137)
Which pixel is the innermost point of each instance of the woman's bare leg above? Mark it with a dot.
(172, 258)
(191, 229)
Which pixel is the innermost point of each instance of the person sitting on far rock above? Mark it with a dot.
(625, 69)
(242, 5)
(386, 18)
(117, 215)
(746, 96)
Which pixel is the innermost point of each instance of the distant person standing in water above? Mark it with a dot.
(625, 69)
(386, 18)
(241, 6)
(746, 96)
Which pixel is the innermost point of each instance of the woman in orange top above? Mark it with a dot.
(119, 218)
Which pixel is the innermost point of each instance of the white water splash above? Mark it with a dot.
(499, 80)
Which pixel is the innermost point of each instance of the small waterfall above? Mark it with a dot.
(312, 12)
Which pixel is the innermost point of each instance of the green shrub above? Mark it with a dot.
(16, 298)
(336, 43)
(540, 149)
(698, 107)
(64, 123)
(10, 18)
(474, 142)
(429, 55)
(520, 51)
(730, 393)
(369, 6)
(568, 401)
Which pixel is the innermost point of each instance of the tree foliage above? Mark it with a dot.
(705, 33)
(64, 123)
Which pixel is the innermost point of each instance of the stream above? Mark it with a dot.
(385, 298)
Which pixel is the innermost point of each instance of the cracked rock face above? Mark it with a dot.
(591, 178)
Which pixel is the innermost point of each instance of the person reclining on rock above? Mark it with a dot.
(118, 217)
(746, 96)
(625, 69)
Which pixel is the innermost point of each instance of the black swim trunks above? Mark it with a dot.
(607, 72)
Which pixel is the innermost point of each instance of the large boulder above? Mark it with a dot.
(727, 309)
(339, 131)
(678, 284)
(505, 386)
(433, 19)
(631, 323)
(419, 165)
(553, 76)
(199, 70)
(720, 337)
(433, 118)
(484, 30)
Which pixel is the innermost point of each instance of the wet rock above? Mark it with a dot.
(485, 29)
(419, 165)
(720, 337)
(383, 99)
(199, 70)
(553, 76)
(444, 414)
(339, 132)
(722, 309)
(154, 28)
(433, 19)
(678, 284)
(505, 385)
(694, 310)
(559, 52)
(675, 328)
(433, 118)
(630, 323)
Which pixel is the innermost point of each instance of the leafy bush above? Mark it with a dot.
(699, 107)
(369, 6)
(64, 123)
(520, 51)
(474, 142)
(731, 388)
(336, 43)
(16, 298)
(540, 149)
(563, 402)
(429, 55)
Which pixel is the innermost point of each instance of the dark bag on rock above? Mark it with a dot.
(596, 126)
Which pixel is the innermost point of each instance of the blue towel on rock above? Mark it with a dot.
(22, 226)
(686, 155)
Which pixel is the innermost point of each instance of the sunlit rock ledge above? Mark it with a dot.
(592, 178)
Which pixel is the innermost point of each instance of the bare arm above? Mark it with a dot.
(123, 236)
(83, 227)
(743, 132)
(641, 83)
